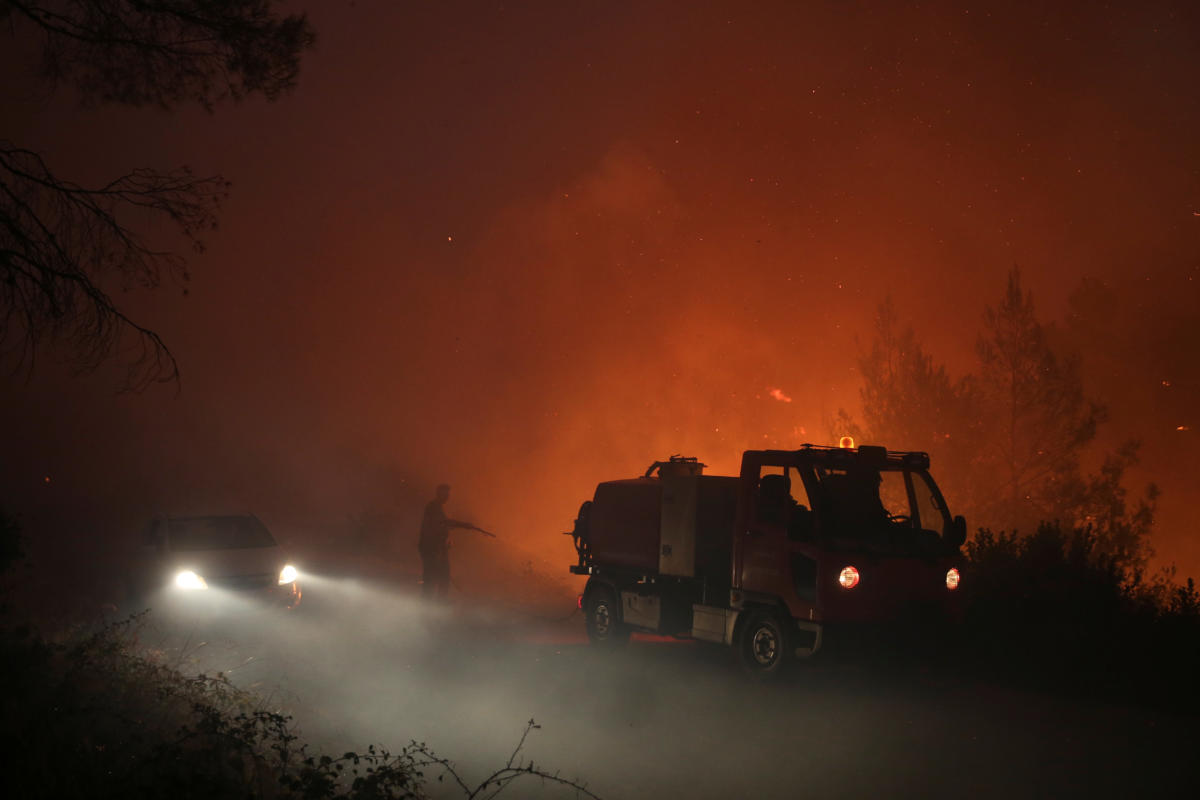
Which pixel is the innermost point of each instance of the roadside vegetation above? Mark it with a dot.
(90, 711)
(1060, 610)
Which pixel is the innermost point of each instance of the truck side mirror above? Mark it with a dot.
(958, 532)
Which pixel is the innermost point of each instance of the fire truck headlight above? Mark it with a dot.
(848, 577)
(952, 579)
(288, 575)
(190, 580)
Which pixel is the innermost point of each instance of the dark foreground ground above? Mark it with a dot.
(368, 663)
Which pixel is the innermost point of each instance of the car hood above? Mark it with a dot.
(243, 561)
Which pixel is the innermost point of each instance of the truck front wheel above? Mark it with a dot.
(603, 626)
(765, 645)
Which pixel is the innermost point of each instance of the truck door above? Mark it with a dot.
(779, 559)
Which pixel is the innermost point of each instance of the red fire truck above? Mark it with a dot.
(800, 544)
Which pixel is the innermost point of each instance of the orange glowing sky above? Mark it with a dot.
(523, 249)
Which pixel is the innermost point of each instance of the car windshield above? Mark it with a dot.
(218, 533)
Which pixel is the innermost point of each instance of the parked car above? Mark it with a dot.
(196, 559)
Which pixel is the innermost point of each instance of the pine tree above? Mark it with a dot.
(909, 402)
(1039, 417)
(1006, 441)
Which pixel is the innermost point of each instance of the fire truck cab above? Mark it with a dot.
(800, 543)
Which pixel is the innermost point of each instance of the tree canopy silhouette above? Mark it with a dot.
(909, 401)
(1008, 438)
(1041, 419)
(60, 242)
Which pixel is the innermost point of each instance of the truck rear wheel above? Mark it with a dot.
(765, 645)
(603, 627)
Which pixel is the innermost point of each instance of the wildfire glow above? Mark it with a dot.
(780, 396)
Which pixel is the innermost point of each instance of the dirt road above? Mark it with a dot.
(368, 663)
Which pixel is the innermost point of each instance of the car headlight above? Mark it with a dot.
(190, 580)
(288, 575)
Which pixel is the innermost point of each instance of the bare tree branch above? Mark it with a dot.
(59, 242)
(163, 52)
(499, 779)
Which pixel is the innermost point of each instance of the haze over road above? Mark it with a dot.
(365, 663)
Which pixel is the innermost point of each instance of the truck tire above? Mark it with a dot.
(765, 647)
(602, 612)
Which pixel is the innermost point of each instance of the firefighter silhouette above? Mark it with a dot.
(856, 508)
(776, 505)
(434, 544)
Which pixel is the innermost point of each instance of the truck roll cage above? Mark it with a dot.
(866, 455)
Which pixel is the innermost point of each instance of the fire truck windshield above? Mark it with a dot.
(932, 514)
(872, 508)
(893, 494)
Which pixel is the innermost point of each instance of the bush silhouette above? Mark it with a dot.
(1059, 609)
(93, 716)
